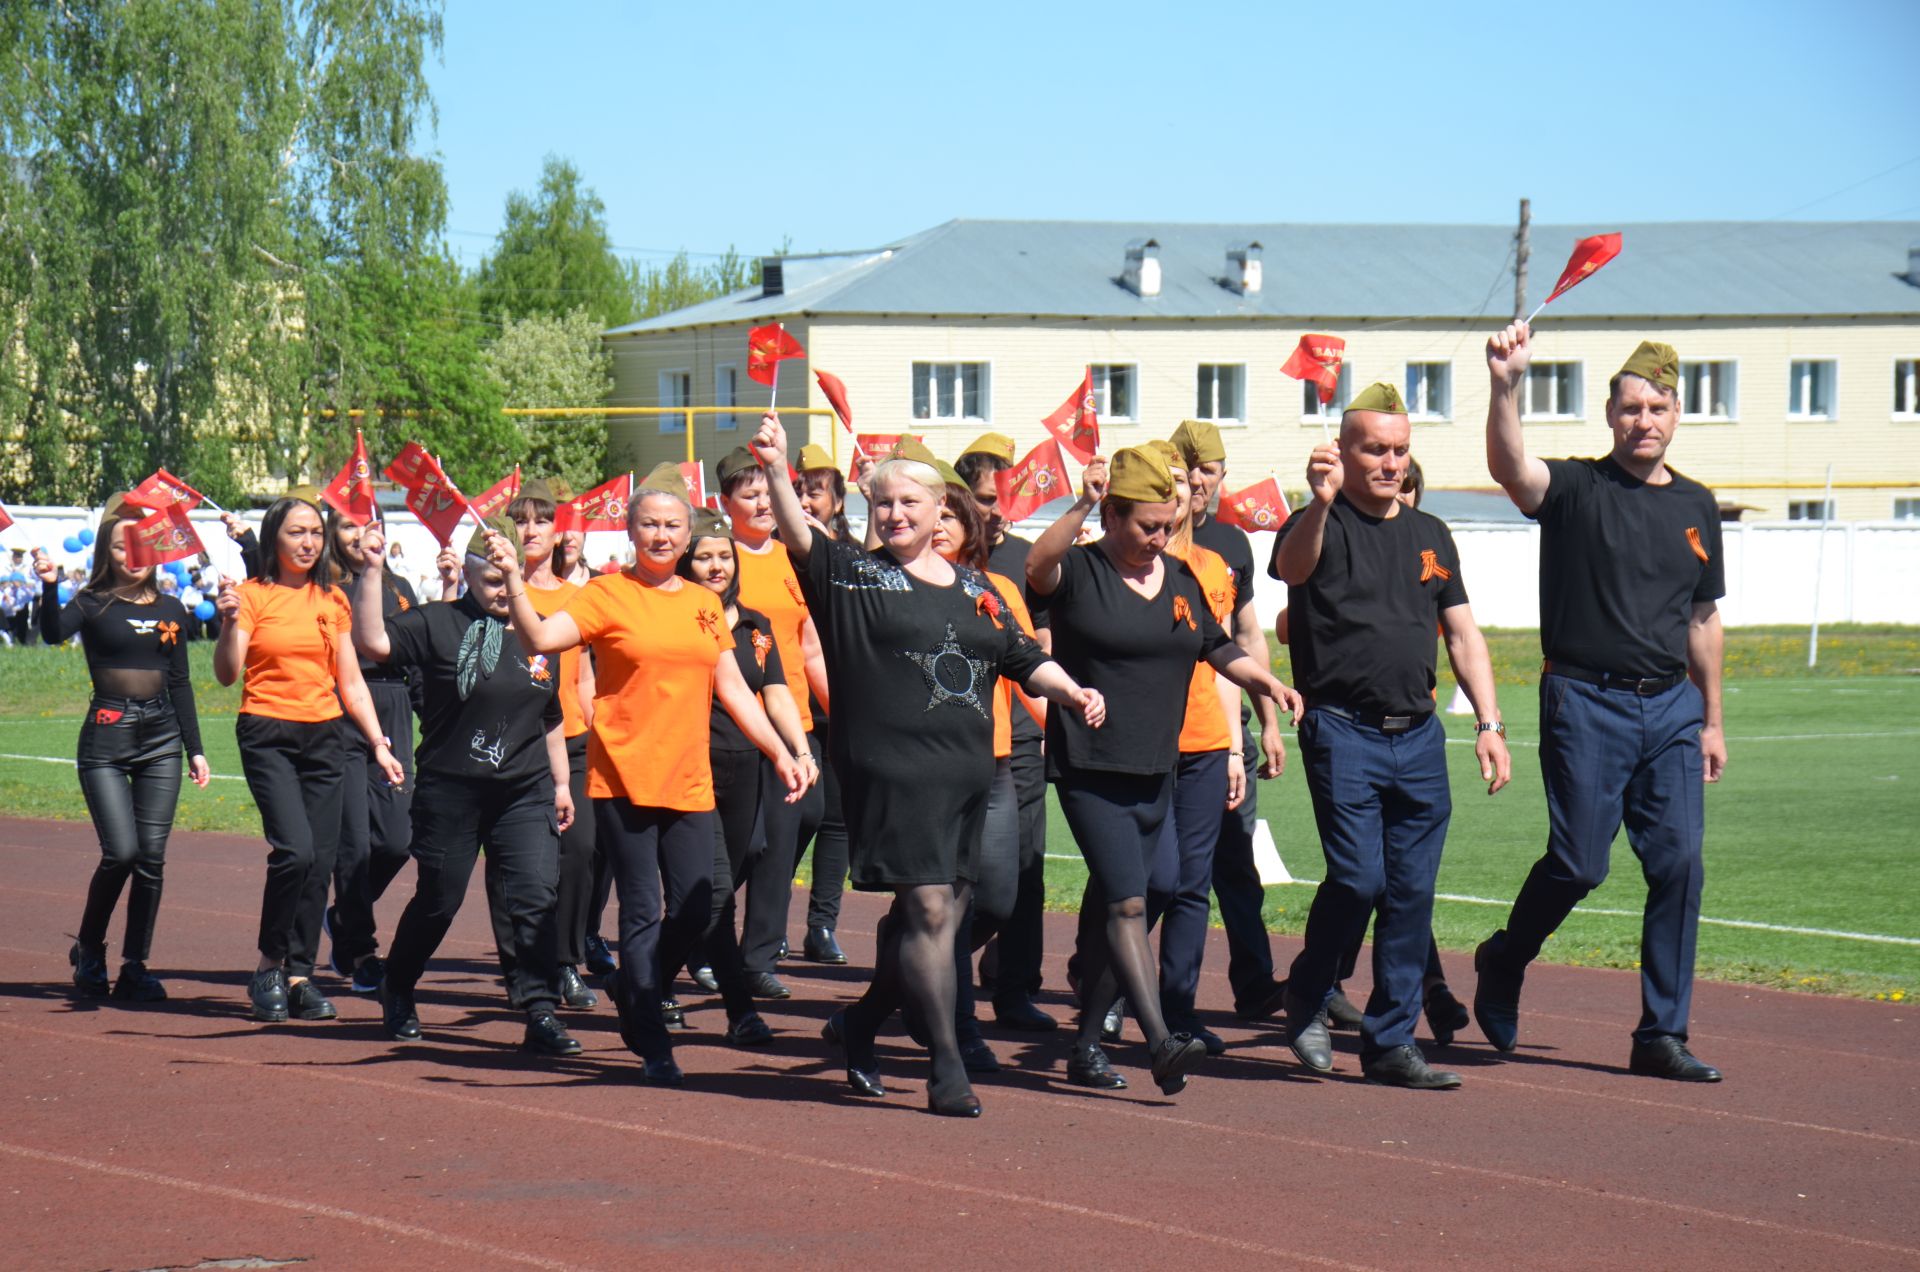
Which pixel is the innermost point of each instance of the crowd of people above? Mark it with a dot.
(757, 683)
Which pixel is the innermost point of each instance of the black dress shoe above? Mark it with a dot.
(1263, 1006)
(1116, 1017)
(367, 975)
(1307, 1036)
(1087, 1066)
(306, 1002)
(820, 947)
(267, 991)
(662, 1071)
(1668, 1057)
(574, 992)
(397, 1017)
(749, 1031)
(547, 1036)
(977, 1056)
(961, 1104)
(600, 960)
(765, 985)
(137, 985)
(863, 1081)
(784, 952)
(90, 971)
(1496, 998)
(703, 977)
(625, 1014)
(1213, 1042)
(1446, 1015)
(1404, 1066)
(1020, 1013)
(1174, 1059)
(672, 1015)
(1340, 1012)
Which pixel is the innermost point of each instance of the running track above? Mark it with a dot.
(143, 1138)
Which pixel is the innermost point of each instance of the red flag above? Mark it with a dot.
(836, 394)
(767, 348)
(497, 496)
(162, 490)
(1589, 254)
(163, 536)
(878, 446)
(605, 506)
(437, 502)
(1033, 483)
(1077, 423)
(411, 466)
(694, 473)
(1318, 359)
(6, 518)
(350, 493)
(1260, 506)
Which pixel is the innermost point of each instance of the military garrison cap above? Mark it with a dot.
(1140, 474)
(999, 445)
(1199, 441)
(1379, 396)
(1655, 362)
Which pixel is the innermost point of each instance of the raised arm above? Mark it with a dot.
(1473, 668)
(548, 635)
(1297, 554)
(769, 446)
(1523, 477)
(369, 620)
(58, 622)
(1043, 563)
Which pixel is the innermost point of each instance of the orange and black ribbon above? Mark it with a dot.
(1183, 613)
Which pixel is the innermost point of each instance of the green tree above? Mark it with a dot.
(553, 257)
(542, 361)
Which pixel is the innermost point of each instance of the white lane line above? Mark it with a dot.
(1757, 737)
(54, 759)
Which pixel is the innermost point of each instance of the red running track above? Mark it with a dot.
(171, 1136)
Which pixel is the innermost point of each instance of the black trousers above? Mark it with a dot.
(661, 861)
(1011, 962)
(770, 878)
(454, 819)
(575, 911)
(1237, 887)
(736, 797)
(130, 766)
(376, 825)
(296, 771)
(831, 849)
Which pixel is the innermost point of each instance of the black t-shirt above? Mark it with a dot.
(1138, 653)
(1622, 564)
(1363, 627)
(1235, 548)
(489, 704)
(758, 658)
(396, 597)
(121, 636)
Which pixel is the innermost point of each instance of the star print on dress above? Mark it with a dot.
(944, 665)
(868, 573)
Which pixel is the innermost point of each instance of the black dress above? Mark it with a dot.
(912, 669)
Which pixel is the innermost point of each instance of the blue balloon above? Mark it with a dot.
(86, 538)
(204, 611)
(66, 591)
(71, 543)
(89, 561)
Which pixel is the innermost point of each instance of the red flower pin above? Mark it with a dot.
(989, 604)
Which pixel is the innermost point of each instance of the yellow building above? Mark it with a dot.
(1800, 344)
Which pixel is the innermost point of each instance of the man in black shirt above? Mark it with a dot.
(1630, 570)
(1236, 881)
(1368, 578)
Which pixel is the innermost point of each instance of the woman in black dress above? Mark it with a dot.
(913, 647)
(1130, 621)
(138, 725)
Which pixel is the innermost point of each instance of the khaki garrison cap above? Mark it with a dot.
(1379, 396)
(999, 445)
(666, 477)
(1199, 441)
(1658, 363)
(499, 524)
(737, 460)
(1169, 452)
(708, 524)
(813, 457)
(1139, 474)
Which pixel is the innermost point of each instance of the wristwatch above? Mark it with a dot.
(1498, 726)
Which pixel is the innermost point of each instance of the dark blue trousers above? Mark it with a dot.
(1382, 804)
(1610, 756)
(1182, 877)
(1237, 887)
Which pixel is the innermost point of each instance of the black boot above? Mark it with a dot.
(89, 970)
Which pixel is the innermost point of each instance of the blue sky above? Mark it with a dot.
(843, 125)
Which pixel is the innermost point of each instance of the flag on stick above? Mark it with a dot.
(836, 394)
(767, 348)
(1077, 423)
(411, 466)
(605, 506)
(694, 473)
(1034, 482)
(497, 496)
(1318, 358)
(162, 536)
(438, 503)
(6, 518)
(350, 493)
(877, 446)
(1260, 506)
(164, 489)
(1589, 254)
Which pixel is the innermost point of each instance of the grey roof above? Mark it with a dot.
(1072, 268)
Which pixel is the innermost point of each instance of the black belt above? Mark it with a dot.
(1377, 720)
(1645, 686)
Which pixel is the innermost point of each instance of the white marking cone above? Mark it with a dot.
(1459, 705)
(1266, 856)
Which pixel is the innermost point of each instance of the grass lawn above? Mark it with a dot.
(1811, 828)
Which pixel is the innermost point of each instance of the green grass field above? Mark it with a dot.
(1813, 826)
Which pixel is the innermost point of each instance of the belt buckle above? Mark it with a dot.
(1647, 686)
(1396, 724)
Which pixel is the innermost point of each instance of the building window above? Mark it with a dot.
(1113, 392)
(1222, 392)
(950, 391)
(676, 389)
(1429, 390)
(726, 392)
(1810, 510)
(1906, 387)
(1906, 509)
(1311, 407)
(1553, 391)
(1810, 390)
(1708, 390)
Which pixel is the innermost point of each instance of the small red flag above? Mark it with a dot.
(1077, 423)
(350, 493)
(163, 536)
(1033, 483)
(437, 502)
(767, 348)
(694, 473)
(1260, 506)
(605, 506)
(411, 466)
(877, 446)
(6, 518)
(497, 496)
(162, 490)
(836, 394)
(1589, 254)
(1318, 359)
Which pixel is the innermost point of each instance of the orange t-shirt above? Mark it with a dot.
(1004, 690)
(293, 636)
(547, 601)
(768, 584)
(1205, 728)
(653, 689)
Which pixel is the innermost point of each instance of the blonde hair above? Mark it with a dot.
(1180, 542)
(913, 470)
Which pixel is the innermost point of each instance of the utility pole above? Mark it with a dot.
(1520, 251)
